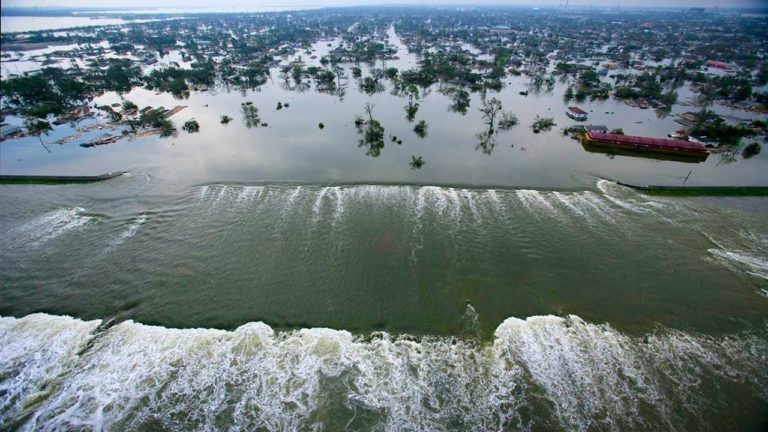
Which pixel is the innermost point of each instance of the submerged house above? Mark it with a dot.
(8, 131)
(718, 64)
(577, 113)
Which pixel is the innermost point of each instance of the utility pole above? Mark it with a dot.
(686, 177)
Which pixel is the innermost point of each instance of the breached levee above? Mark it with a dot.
(539, 373)
(449, 203)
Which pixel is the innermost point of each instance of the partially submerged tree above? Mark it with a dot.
(490, 110)
(157, 120)
(417, 162)
(542, 124)
(751, 150)
(250, 115)
(486, 139)
(191, 126)
(420, 129)
(508, 121)
(372, 133)
(410, 111)
(38, 128)
(167, 128)
(128, 105)
(460, 100)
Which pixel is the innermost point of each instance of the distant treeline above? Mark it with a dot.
(64, 12)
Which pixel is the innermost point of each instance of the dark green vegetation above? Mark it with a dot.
(487, 137)
(515, 41)
(640, 57)
(417, 162)
(711, 125)
(371, 131)
(420, 129)
(191, 126)
(251, 115)
(751, 150)
(543, 124)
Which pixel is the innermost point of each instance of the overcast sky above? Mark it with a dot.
(245, 4)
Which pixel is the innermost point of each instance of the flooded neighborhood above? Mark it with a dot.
(380, 217)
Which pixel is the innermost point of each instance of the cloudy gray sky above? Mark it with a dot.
(245, 4)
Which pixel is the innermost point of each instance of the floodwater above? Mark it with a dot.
(293, 148)
(15, 24)
(278, 278)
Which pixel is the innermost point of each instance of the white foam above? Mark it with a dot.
(533, 200)
(608, 190)
(493, 197)
(440, 198)
(318, 203)
(249, 193)
(203, 193)
(598, 206)
(592, 377)
(421, 201)
(338, 194)
(569, 201)
(223, 192)
(470, 198)
(752, 264)
(51, 225)
(455, 200)
(131, 230)
(34, 352)
(292, 197)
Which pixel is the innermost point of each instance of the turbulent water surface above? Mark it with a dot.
(212, 307)
(542, 373)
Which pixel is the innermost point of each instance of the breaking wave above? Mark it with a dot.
(50, 225)
(453, 204)
(744, 251)
(753, 264)
(543, 372)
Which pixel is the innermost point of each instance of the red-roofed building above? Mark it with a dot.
(718, 65)
(654, 145)
(576, 113)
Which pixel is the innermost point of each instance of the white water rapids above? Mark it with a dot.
(60, 373)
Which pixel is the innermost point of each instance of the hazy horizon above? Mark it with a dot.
(246, 4)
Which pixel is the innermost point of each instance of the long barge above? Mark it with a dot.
(644, 144)
(43, 179)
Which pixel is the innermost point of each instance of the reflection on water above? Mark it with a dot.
(289, 145)
(11, 24)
